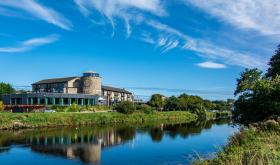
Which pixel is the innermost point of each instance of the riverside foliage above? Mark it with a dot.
(258, 106)
(258, 93)
(186, 102)
(256, 145)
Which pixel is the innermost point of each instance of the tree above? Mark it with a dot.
(157, 101)
(274, 64)
(194, 102)
(6, 88)
(247, 81)
(259, 97)
(172, 104)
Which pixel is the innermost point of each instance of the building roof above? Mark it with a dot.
(108, 88)
(55, 80)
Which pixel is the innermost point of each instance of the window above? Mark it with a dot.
(65, 101)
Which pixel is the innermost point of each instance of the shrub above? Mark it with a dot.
(2, 106)
(73, 108)
(145, 108)
(125, 107)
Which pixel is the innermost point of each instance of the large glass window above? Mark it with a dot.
(35, 101)
(56, 101)
(65, 101)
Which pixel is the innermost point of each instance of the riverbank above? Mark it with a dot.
(257, 144)
(35, 120)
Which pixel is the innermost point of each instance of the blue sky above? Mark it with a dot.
(147, 46)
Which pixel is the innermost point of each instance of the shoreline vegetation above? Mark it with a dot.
(38, 120)
(257, 107)
(256, 144)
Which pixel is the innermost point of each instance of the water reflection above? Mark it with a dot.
(87, 143)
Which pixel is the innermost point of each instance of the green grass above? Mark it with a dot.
(258, 144)
(32, 120)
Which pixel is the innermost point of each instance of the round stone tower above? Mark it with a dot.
(91, 83)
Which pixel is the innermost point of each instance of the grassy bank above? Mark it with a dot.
(258, 144)
(33, 120)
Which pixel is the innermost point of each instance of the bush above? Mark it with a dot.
(2, 106)
(125, 107)
(145, 108)
(73, 108)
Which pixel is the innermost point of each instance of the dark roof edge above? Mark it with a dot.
(54, 80)
(115, 89)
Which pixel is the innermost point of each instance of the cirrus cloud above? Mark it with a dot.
(29, 44)
(36, 10)
(259, 15)
(127, 10)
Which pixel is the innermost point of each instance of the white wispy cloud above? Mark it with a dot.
(127, 10)
(211, 65)
(146, 37)
(36, 10)
(29, 44)
(259, 15)
(162, 35)
(204, 48)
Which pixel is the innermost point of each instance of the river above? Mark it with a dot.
(124, 144)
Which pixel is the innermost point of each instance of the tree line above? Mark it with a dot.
(186, 102)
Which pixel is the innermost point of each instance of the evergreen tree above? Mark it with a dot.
(274, 64)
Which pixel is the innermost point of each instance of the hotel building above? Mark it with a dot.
(84, 90)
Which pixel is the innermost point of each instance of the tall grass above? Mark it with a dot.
(258, 144)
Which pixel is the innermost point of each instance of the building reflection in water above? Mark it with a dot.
(86, 144)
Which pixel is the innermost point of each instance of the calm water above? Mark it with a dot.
(157, 144)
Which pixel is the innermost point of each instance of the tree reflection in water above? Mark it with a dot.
(86, 143)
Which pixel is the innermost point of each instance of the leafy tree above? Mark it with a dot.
(6, 88)
(209, 105)
(157, 101)
(247, 81)
(274, 64)
(172, 104)
(222, 105)
(259, 97)
(194, 102)
(200, 112)
(183, 96)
